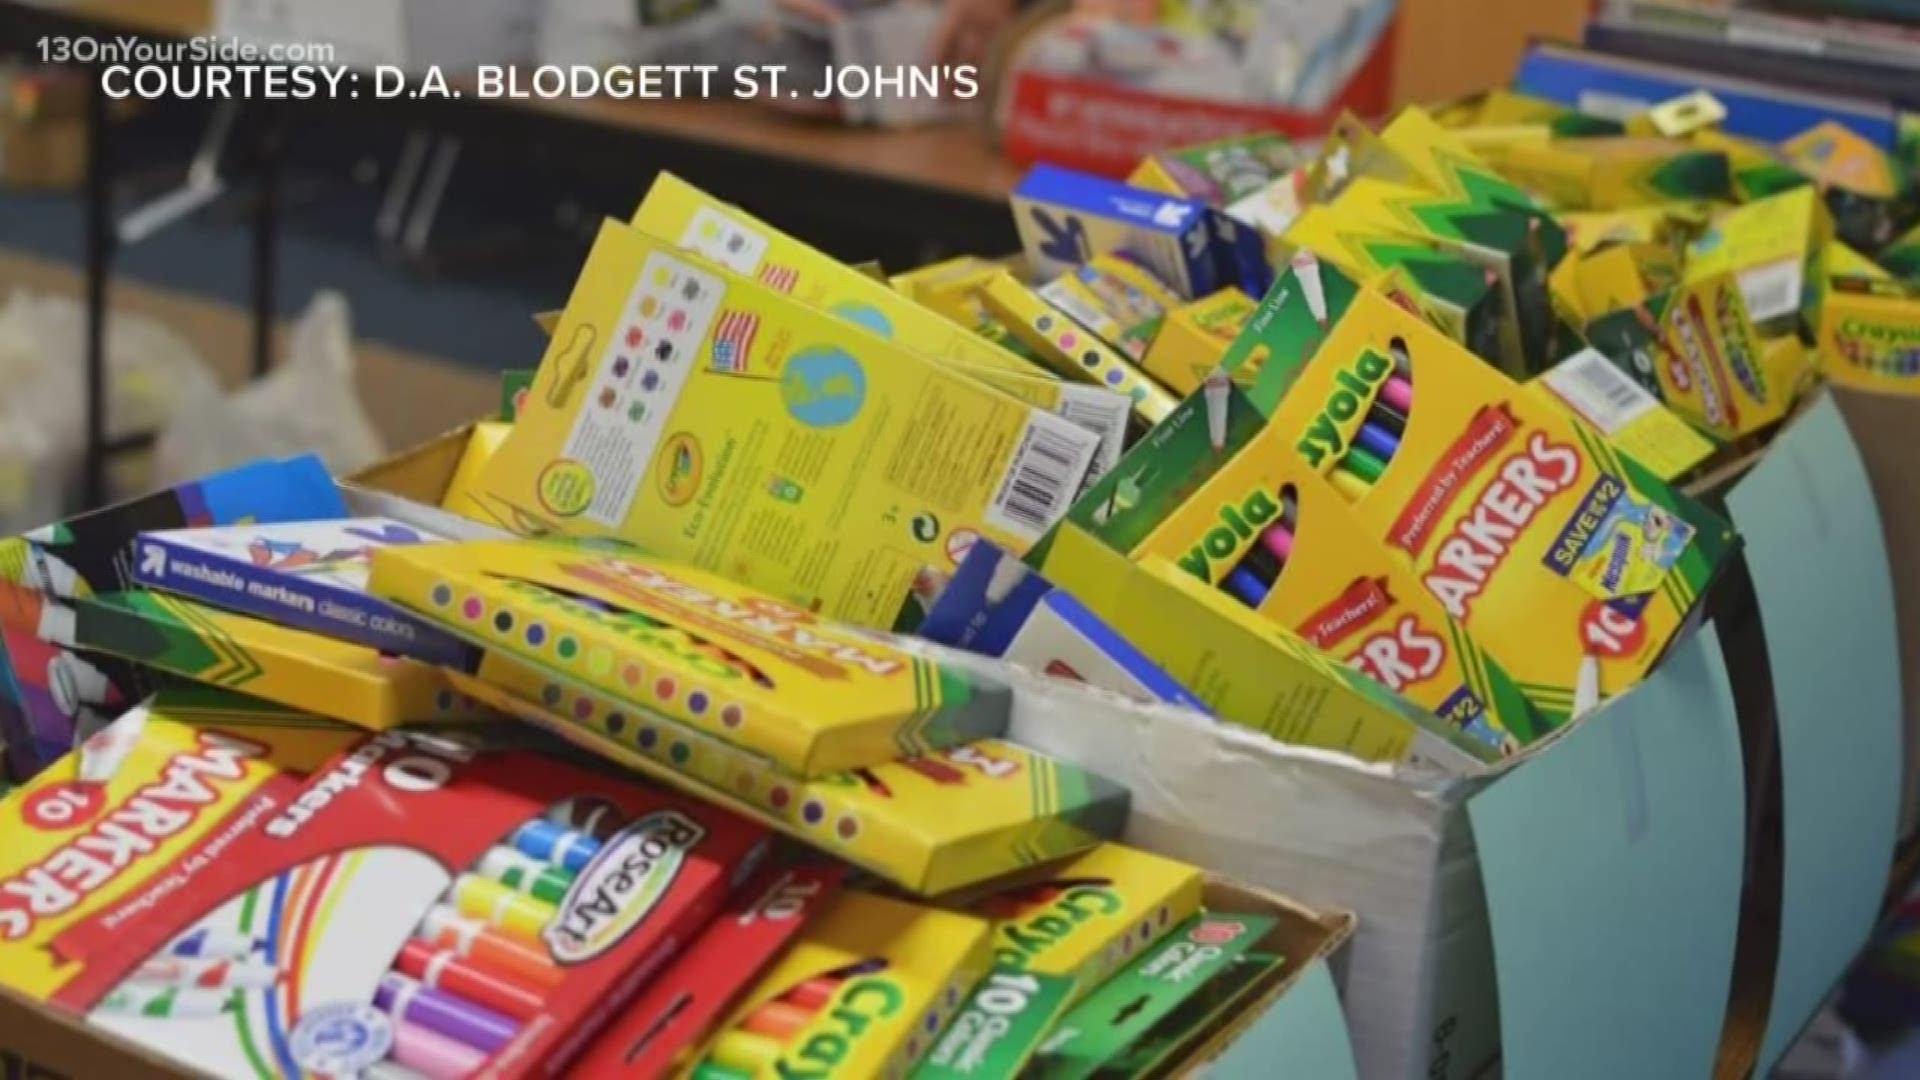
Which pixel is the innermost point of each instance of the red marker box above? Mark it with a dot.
(658, 1033)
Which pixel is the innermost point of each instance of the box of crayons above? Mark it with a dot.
(60, 693)
(288, 667)
(930, 823)
(712, 419)
(863, 992)
(664, 1026)
(723, 658)
(310, 575)
(1870, 334)
(337, 927)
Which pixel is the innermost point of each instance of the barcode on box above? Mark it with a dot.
(1771, 291)
(1047, 468)
(1102, 412)
(1601, 393)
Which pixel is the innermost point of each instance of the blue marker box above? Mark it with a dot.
(1066, 218)
(998, 606)
(310, 575)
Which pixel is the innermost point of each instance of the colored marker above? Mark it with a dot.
(1402, 359)
(1363, 466)
(219, 974)
(743, 1051)
(446, 970)
(484, 898)
(1398, 394)
(1377, 441)
(564, 848)
(1348, 484)
(169, 1002)
(444, 1014)
(445, 928)
(433, 1055)
(1278, 540)
(214, 943)
(1386, 417)
(1246, 586)
(707, 1070)
(777, 1020)
(527, 875)
(814, 994)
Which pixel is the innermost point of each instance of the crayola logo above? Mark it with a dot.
(1021, 941)
(1325, 438)
(620, 887)
(1880, 334)
(858, 1010)
(1238, 524)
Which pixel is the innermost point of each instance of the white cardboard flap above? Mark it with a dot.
(1820, 575)
(1612, 864)
(1303, 1035)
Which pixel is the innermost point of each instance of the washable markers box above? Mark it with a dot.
(288, 667)
(1138, 1022)
(723, 658)
(1248, 670)
(366, 934)
(682, 214)
(1065, 218)
(1071, 349)
(929, 823)
(1119, 301)
(997, 606)
(309, 575)
(679, 1007)
(1193, 339)
(1572, 565)
(713, 420)
(58, 692)
(864, 992)
(1870, 334)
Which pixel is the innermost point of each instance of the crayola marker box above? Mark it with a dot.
(295, 668)
(1248, 670)
(1276, 534)
(997, 606)
(358, 932)
(307, 575)
(1630, 416)
(864, 992)
(1071, 349)
(930, 823)
(1118, 301)
(678, 1009)
(1870, 334)
(1571, 564)
(1775, 246)
(721, 657)
(714, 421)
(1193, 339)
(1614, 173)
(682, 214)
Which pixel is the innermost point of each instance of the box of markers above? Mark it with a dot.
(310, 575)
(729, 660)
(338, 927)
(1115, 299)
(1194, 337)
(1071, 349)
(998, 606)
(863, 992)
(59, 692)
(1622, 171)
(263, 659)
(678, 1010)
(1870, 334)
(1572, 565)
(930, 823)
(716, 421)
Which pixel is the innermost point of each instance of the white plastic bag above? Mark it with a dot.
(306, 404)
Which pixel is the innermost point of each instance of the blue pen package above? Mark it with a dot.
(996, 605)
(58, 692)
(311, 575)
(1065, 218)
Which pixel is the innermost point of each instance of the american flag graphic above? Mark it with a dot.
(732, 339)
(779, 277)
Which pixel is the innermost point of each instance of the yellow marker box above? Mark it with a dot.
(1630, 416)
(898, 971)
(1248, 670)
(1194, 337)
(1120, 302)
(1870, 334)
(1072, 350)
(723, 658)
(1570, 563)
(1775, 246)
(301, 670)
(682, 214)
(716, 422)
(1339, 590)
(1616, 173)
(1085, 918)
(162, 780)
(941, 821)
